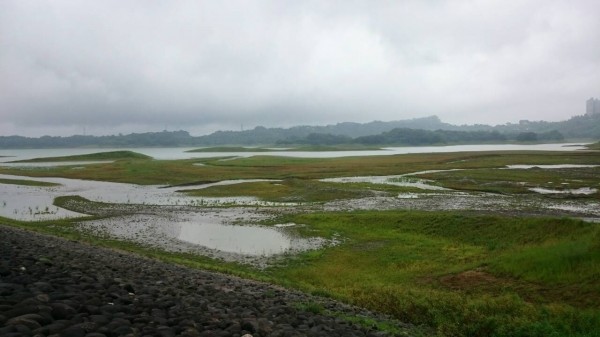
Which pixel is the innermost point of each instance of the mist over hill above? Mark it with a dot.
(418, 131)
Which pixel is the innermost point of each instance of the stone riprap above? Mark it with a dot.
(55, 287)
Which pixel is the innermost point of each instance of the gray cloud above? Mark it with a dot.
(200, 65)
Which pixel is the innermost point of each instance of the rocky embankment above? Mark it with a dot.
(55, 287)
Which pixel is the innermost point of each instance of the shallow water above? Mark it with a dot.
(583, 190)
(30, 202)
(549, 167)
(403, 180)
(194, 229)
(167, 153)
(484, 202)
(216, 230)
(247, 240)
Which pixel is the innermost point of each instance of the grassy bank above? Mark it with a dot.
(519, 180)
(457, 274)
(299, 190)
(27, 182)
(594, 146)
(111, 155)
(461, 275)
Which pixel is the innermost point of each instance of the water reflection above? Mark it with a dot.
(181, 230)
(583, 190)
(247, 240)
(549, 167)
(36, 203)
(402, 180)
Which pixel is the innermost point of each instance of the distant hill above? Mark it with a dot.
(577, 127)
(147, 139)
(262, 135)
(418, 137)
(377, 132)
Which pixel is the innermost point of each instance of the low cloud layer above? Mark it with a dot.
(123, 66)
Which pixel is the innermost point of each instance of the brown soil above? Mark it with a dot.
(576, 295)
(471, 279)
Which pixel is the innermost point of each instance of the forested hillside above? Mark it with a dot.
(419, 131)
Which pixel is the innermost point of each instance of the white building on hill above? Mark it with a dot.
(592, 107)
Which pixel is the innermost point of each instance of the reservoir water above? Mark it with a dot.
(165, 153)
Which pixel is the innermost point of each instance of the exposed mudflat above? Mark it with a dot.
(478, 202)
(51, 286)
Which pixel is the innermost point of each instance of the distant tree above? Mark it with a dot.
(551, 135)
(527, 137)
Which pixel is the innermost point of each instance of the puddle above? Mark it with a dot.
(583, 190)
(221, 183)
(408, 196)
(549, 167)
(574, 208)
(403, 180)
(209, 232)
(396, 180)
(284, 225)
(245, 240)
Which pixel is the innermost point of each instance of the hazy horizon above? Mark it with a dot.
(114, 67)
(246, 128)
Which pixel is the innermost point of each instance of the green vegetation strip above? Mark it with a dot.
(594, 146)
(27, 182)
(518, 180)
(176, 172)
(298, 190)
(112, 155)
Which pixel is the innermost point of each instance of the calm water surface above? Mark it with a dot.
(180, 152)
(214, 230)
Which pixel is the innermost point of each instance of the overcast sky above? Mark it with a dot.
(131, 66)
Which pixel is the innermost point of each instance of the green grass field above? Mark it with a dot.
(452, 273)
(27, 182)
(462, 275)
(518, 180)
(112, 155)
(594, 146)
(299, 190)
